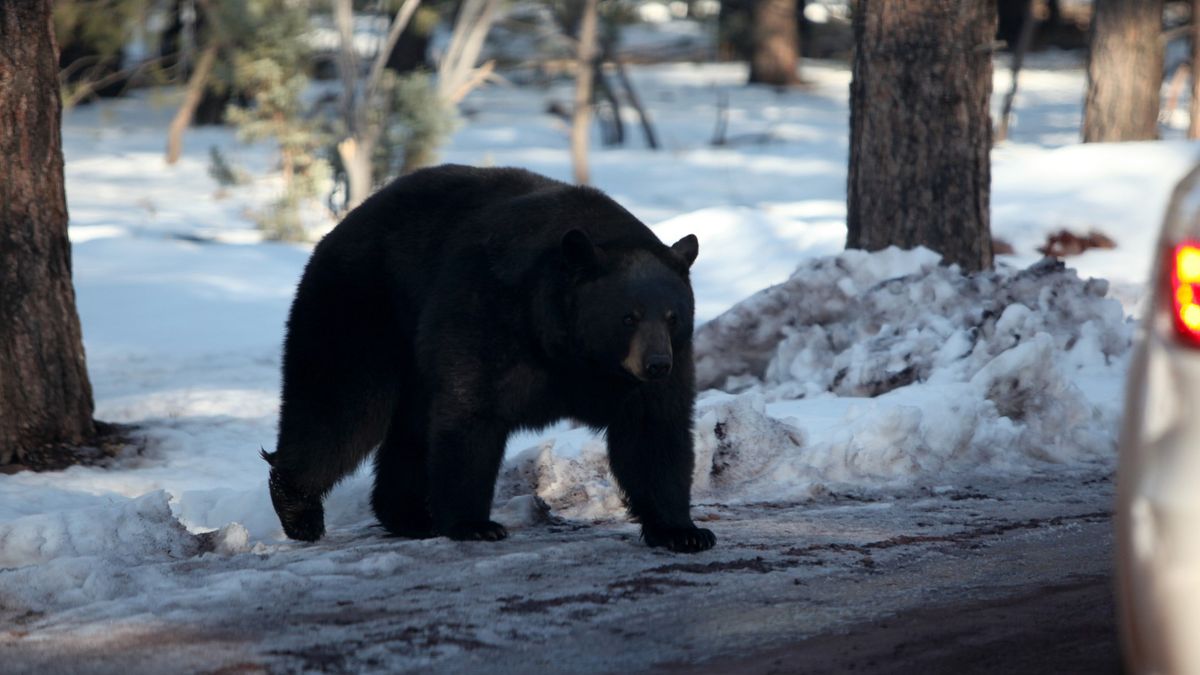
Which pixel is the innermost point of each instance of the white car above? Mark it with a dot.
(1158, 492)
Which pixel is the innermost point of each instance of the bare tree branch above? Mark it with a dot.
(195, 91)
(343, 15)
(84, 89)
(456, 70)
(399, 23)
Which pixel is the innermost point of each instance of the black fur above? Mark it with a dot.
(458, 305)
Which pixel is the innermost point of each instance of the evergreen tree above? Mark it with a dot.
(270, 71)
(420, 122)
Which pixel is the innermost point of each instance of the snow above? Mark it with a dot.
(883, 375)
(860, 324)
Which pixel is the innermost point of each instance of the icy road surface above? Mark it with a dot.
(576, 597)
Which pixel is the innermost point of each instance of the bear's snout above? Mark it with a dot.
(649, 355)
(657, 366)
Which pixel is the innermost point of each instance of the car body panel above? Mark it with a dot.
(1158, 493)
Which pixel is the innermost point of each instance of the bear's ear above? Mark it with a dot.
(687, 249)
(579, 252)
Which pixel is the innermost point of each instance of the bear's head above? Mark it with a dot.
(632, 309)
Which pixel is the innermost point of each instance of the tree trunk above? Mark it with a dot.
(612, 129)
(355, 153)
(1194, 109)
(1125, 70)
(920, 132)
(636, 102)
(735, 24)
(776, 43)
(583, 93)
(1024, 38)
(45, 395)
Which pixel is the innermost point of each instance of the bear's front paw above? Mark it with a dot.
(486, 531)
(679, 539)
(302, 516)
(307, 524)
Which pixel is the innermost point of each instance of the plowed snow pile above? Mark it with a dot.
(881, 371)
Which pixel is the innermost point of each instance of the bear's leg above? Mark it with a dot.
(650, 454)
(329, 421)
(464, 459)
(340, 384)
(401, 496)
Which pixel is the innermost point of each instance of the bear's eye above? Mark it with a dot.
(672, 319)
(630, 320)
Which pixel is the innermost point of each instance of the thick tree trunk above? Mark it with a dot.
(1125, 69)
(776, 43)
(920, 132)
(45, 396)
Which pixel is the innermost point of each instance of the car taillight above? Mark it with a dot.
(1185, 291)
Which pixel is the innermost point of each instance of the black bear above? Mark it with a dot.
(458, 305)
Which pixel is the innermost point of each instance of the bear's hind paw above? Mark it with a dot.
(679, 539)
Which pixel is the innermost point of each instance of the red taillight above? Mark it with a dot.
(1185, 291)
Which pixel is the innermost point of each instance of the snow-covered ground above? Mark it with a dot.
(881, 376)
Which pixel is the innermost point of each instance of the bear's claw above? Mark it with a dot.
(679, 539)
